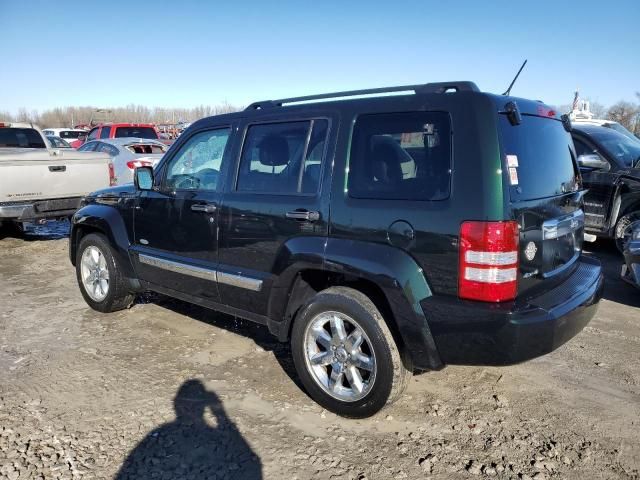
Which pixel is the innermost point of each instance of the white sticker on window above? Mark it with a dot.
(512, 161)
(513, 175)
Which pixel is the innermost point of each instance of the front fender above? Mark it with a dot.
(108, 221)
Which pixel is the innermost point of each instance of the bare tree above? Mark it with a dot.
(625, 113)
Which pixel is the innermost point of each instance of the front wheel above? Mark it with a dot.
(622, 230)
(345, 354)
(99, 276)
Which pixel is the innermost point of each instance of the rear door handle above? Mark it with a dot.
(204, 207)
(57, 168)
(304, 215)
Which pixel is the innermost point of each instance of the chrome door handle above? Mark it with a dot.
(304, 215)
(204, 208)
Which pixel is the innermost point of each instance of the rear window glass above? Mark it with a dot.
(145, 148)
(70, 134)
(538, 158)
(21, 138)
(401, 156)
(138, 132)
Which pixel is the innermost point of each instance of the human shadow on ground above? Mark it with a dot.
(191, 448)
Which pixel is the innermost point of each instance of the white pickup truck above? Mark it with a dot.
(38, 182)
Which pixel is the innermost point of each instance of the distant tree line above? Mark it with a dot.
(624, 112)
(70, 116)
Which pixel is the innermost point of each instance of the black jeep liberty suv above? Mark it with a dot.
(377, 233)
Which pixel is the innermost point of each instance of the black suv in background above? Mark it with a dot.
(377, 235)
(610, 165)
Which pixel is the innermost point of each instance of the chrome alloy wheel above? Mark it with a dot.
(339, 356)
(95, 274)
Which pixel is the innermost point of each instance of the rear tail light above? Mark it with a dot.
(488, 261)
(133, 164)
(112, 175)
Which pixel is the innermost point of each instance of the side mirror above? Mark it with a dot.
(593, 161)
(143, 178)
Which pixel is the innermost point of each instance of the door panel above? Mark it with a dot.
(600, 188)
(276, 197)
(176, 226)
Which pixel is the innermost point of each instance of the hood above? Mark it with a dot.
(118, 191)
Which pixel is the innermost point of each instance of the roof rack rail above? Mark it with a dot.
(439, 87)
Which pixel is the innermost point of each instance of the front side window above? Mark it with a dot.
(401, 156)
(93, 134)
(625, 150)
(283, 158)
(196, 166)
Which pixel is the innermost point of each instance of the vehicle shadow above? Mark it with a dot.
(189, 447)
(256, 332)
(615, 289)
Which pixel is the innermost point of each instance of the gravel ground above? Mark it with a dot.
(167, 390)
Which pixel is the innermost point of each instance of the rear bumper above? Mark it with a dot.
(474, 333)
(27, 211)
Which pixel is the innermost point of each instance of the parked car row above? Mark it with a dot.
(41, 180)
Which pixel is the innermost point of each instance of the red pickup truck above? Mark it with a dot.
(118, 130)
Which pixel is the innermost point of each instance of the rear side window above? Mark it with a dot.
(21, 138)
(283, 158)
(401, 156)
(538, 158)
(105, 132)
(138, 132)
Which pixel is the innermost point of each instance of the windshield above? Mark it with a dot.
(21, 138)
(625, 150)
(57, 142)
(620, 129)
(538, 158)
(138, 132)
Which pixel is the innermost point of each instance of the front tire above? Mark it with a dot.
(99, 275)
(345, 354)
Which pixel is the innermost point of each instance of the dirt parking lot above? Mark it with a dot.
(166, 390)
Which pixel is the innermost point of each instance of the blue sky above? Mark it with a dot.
(186, 53)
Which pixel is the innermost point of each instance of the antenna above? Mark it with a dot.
(514, 80)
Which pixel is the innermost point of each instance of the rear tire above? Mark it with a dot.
(99, 275)
(345, 354)
(621, 226)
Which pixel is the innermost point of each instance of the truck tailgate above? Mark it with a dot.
(35, 175)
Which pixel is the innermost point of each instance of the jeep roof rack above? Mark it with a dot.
(439, 87)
